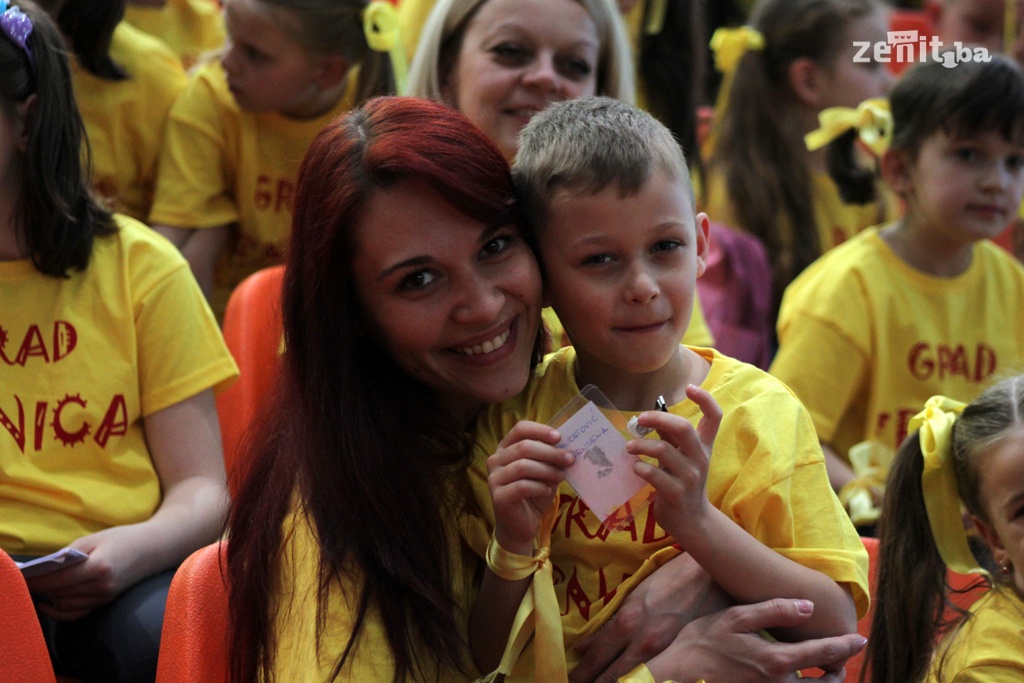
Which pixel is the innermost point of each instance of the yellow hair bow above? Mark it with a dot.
(872, 119)
(656, 17)
(539, 610)
(938, 482)
(730, 44)
(380, 25)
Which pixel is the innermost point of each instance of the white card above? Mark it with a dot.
(65, 557)
(603, 472)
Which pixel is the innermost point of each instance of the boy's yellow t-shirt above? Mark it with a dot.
(865, 339)
(767, 474)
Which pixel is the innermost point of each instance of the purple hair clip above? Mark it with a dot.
(17, 26)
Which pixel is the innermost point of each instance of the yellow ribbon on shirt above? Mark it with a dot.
(872, 119)
(381, 27)
(870, 461)
(538, 616)
(938, 482)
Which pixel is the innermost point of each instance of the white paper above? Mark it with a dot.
(65, 557)
(603, 472)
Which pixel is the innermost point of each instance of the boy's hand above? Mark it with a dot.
(523, 476)
(684, 455)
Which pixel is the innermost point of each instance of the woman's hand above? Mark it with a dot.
(649, 620)
(725, 647)
(684, 454)
(523, 476)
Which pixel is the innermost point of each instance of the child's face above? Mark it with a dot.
(519, 56)
(847, 83)
(621, 272)
(1001, 483)
(962, 189)
(978, 22)
(267, 70)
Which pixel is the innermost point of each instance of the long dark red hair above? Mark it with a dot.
(366, 450)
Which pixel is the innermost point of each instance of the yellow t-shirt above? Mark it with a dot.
(83, 361)
(837, 220)
(987, 648)
(767, 474)
(125, 120)
(189, 28)
(220, 165)
(865, 339)
(300, 656)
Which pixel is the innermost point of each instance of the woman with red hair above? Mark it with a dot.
(410, 300)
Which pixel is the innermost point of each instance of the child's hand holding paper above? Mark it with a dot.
(684, 454)
(523, 476)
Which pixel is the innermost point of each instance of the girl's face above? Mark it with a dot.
(847, 83)
(455, 302)
(961, 190)
(1001, 482)
(516, 58)
(267, 70)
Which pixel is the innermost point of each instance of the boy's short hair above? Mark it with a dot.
(584, 144)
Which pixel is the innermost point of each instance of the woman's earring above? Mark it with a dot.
(1006, 569)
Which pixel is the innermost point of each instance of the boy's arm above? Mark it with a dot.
(523, 478)
(745, 568)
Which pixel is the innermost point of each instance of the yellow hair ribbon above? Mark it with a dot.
(870, 461)
(380, 25)
(938, 482)
(872, 119)
(539, 611)
(656, 17)
(730, 44)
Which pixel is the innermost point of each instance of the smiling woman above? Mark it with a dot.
(406, 263)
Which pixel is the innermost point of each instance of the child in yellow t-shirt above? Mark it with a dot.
(124, 83)
(608, 191)
(237, 133)
(109, 357)
(926, 305)
(796, 58)
(956, 457)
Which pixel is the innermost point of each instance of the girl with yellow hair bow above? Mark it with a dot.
(795, 58)
(973, 456)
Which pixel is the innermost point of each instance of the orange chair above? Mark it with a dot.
(252, 330)
(23, 655)
(196, 631)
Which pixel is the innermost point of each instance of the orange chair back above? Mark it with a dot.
(196, 631)
(252, 330)
(23, 655)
